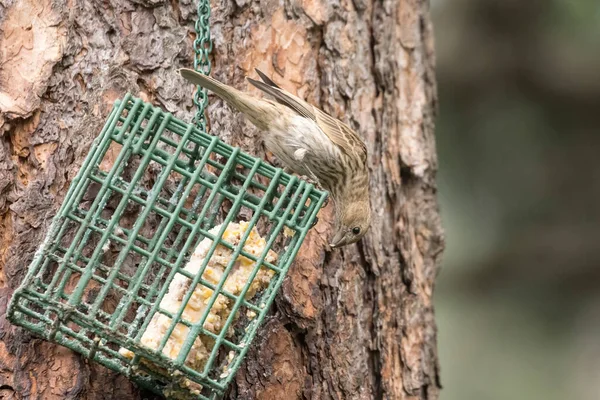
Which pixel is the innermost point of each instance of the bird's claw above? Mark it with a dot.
(305, 178)
(310, 180)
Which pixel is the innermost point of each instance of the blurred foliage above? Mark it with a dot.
(517, 133)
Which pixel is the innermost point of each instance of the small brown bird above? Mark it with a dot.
(311, 143)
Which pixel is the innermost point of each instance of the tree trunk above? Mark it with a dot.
(355, 323)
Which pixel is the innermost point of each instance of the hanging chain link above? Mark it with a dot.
(202, 48)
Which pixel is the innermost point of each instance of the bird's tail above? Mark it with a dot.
(225, 92)
(255, 109)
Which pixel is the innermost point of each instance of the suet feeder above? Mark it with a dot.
(166, 253)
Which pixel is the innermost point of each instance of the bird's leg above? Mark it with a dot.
(315, 181)
(310, 179)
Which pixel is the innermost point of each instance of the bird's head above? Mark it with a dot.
(353, 221)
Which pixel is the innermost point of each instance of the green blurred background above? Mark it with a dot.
(518, 134)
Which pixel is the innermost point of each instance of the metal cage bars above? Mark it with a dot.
(48, 308)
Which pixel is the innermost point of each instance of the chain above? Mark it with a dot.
(202, 48)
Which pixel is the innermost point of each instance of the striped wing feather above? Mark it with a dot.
(338, 132)
(341, 134)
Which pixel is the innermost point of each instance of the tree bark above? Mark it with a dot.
(355, 323)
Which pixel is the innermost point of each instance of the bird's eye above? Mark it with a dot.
(356, 230)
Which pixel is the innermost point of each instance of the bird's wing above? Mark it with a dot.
(266, 79)
(283, 97)
(338, 132)
(341, 134)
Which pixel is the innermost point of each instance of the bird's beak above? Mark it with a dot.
(337, 240)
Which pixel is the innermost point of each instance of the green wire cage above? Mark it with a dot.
(166, 253)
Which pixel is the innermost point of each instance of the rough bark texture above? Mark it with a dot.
(351, 324)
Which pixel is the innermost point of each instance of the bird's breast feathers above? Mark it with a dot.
(300, 143)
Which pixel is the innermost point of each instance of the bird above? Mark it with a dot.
(309, 142)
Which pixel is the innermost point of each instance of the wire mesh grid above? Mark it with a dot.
(166, 253)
